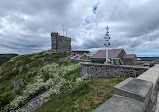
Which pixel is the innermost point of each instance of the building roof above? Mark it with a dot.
(81, 51)
(112, 53)
(129, 56)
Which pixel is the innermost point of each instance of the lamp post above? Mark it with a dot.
(107, 43)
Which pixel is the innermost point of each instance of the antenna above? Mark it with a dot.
(56, 28)
(59, 30)
(66, 31)
(63, 30)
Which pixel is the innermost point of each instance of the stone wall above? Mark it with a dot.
(113, 71)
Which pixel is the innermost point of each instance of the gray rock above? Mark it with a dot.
(20, 69)
(16, 84)
(16, 64)
(33, 104)
(42, 59)
(28, 66)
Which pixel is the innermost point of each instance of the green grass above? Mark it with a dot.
(141, 63)
(84, 57)
(84, 98)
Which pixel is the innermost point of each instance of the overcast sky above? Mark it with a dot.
(25, 25)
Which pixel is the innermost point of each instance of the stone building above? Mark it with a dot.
(129, 59)
(60, 43)
(100, 56)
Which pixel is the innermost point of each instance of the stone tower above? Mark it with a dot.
(60, 43)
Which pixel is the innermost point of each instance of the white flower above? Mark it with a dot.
(54, 84)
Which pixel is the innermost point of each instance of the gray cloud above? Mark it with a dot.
(25, 26)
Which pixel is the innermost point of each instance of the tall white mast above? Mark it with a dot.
(107, 44)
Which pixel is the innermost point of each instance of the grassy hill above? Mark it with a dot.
(26, 76)
(84, 98)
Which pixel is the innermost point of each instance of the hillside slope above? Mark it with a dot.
(20, 70)
(52, 82)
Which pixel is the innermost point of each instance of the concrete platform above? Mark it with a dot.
(121, 104)
(136, 89)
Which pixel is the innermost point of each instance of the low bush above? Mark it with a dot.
(5, 98)
(2, 89)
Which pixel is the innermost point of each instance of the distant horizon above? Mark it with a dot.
(90, 52)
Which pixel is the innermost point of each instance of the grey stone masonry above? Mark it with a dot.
(94, 70)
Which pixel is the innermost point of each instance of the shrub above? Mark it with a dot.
(5, 98)
(2, 88)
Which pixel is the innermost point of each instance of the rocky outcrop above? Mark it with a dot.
(33, 104)
(20, 69)
(16, 84)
